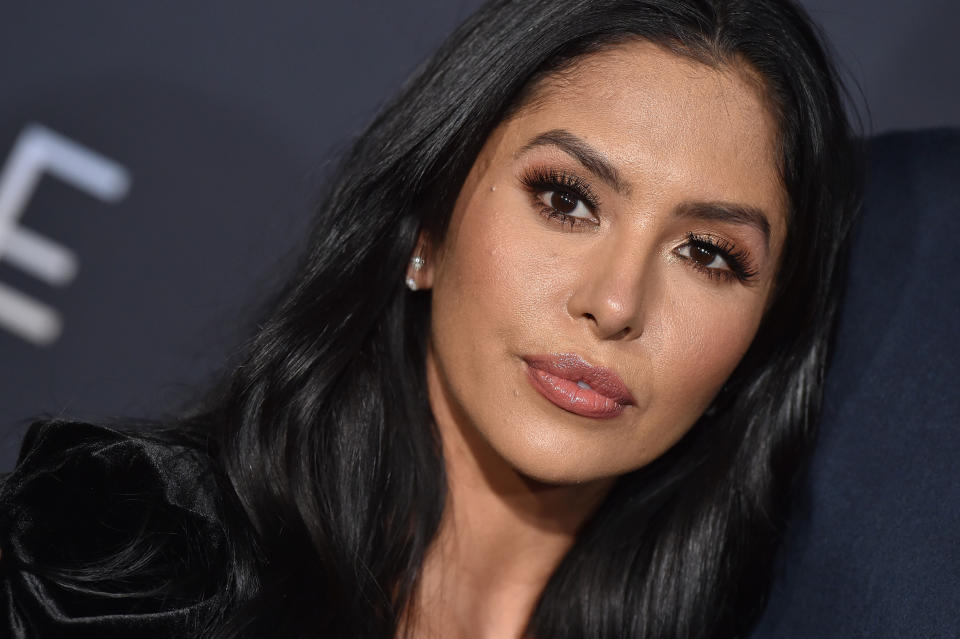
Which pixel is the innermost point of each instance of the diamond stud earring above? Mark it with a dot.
(417, 263)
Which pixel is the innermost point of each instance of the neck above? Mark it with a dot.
(501, 537)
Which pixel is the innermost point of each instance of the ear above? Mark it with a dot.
(420, 268)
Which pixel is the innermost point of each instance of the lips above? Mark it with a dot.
(572, 384)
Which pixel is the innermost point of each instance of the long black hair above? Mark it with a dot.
(322, 434)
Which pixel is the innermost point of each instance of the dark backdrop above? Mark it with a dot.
(159, 160)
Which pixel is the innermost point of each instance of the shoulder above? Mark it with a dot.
(99, 525)
(92, 480)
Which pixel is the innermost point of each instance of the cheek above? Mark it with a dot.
(704, 336)
(496, 277)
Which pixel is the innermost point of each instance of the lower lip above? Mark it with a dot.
(572, 398)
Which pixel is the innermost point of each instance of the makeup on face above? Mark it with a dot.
(572, 201)
(607, 264)
(574, 385)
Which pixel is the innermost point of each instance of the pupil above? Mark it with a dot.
(701, 255)
(563, 202)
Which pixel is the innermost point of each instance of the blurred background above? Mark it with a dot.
(159, 160)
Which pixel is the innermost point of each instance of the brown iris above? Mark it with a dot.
(563, 202)
(702, 255)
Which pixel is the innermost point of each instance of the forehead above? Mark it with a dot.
(666, 121)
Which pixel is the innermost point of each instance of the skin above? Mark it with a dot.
(619, 289)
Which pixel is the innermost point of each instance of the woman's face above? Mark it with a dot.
(607, 264)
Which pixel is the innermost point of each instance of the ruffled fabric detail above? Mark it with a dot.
(107, 534)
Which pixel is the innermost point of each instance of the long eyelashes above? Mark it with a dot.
(716, 257)
(711, 248)
(567, 187)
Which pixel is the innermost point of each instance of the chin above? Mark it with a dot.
(561, 477)
(556, 453)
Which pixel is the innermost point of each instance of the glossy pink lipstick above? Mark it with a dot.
(578, 387)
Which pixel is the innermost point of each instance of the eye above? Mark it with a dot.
(717, 258)
(704, 256)
(566, 203)
(562, 197)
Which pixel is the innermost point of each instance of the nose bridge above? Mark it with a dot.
(611, 294)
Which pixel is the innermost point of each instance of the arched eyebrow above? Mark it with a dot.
(727, 212)
(577, 148)
(596, 162)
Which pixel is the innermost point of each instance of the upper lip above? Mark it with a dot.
(574, 368)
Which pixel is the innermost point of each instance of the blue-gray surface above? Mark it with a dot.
(873, 551)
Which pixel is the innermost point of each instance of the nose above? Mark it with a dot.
(610, 292)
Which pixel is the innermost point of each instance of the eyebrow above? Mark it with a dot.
(727, 212)
(595, 162)
(592, 159)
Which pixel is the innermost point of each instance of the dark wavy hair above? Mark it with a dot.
(322, 433)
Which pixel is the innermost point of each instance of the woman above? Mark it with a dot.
(549, 369)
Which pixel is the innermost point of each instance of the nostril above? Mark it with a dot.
(590, 317)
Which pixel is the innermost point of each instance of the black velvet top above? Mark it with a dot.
(105, 534)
